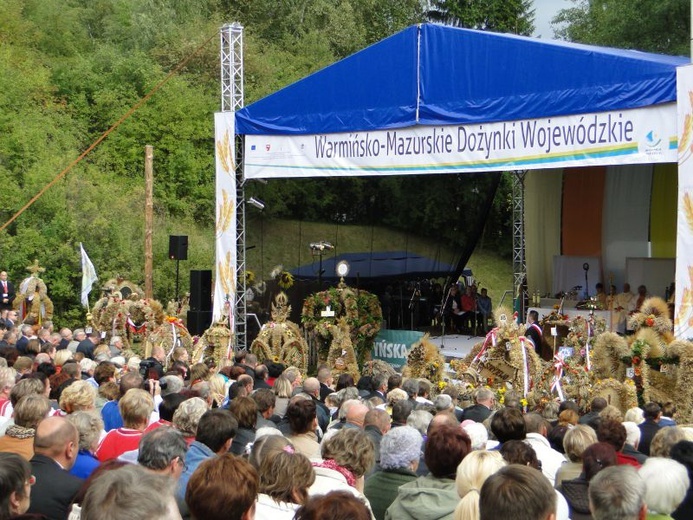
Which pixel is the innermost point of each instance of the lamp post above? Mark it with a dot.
(318, 249)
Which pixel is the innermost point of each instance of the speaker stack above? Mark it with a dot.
(177, 247)
(200, 313)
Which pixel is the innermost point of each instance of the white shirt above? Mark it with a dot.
(550, 459)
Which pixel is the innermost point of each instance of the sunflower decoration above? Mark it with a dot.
(286, 280)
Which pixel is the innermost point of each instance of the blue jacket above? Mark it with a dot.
(197, 454)
(85, 464)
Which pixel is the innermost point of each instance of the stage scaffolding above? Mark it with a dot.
(519, 263)
(232, 99)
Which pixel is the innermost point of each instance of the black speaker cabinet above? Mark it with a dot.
(199, 322)
(200, 290)
(178, 247)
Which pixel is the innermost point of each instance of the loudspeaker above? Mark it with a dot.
(199, 322)
(200, 290)
(178, 247)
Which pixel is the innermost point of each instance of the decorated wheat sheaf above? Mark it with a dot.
(654, 314)
(360, 309)
(215, 343)
(425, 361)
(280, 340)
(341, 357)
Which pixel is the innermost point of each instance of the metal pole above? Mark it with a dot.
(148, 221)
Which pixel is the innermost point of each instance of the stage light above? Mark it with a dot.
(257, 203)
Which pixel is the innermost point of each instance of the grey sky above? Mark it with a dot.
(544, 11)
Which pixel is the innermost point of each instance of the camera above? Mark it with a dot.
(145, 367)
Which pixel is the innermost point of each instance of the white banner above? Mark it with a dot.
(225, 273)
(644, 135)
(683, 321)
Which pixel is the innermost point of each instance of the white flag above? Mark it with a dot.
(88, 276)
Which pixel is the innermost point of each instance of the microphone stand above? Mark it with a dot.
(414, 294)
(444, 304)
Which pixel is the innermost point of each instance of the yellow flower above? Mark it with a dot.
(523, 401)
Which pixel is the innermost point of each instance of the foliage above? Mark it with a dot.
(70, 69)
(661, 26)
(508, 16)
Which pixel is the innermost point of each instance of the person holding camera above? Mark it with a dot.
(154, 365)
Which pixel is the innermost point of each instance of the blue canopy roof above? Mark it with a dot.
(432, 74)
(379, 264)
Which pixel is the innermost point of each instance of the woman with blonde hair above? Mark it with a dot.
(285, 477)
(472, 472)
(218, 390)
(282, 389)
(79, 396)
(60, 357)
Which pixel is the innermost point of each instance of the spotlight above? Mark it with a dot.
(257, 203)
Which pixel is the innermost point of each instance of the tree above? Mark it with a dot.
(505, 16)
(661, 26)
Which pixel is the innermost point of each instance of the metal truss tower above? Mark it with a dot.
(519, 263)
(232, 99)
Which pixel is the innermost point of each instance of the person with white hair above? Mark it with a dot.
(443, 403)
(419, 420)
(400, 450)
(633, 441)
(478, 434)
(617, 492)
(667, 483)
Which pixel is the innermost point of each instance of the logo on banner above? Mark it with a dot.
(267, 147)
(652, 144)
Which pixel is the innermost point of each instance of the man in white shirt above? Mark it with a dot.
(551, 460)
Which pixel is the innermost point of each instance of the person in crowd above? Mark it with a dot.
(261, 376)
(244, 410)
(163, 451)
(56, 445)
(199, 372)
(282, 389)
(668, 413)
(533, 332)
(682, 452)
(215, 433)
(167, 409)
(434, 495)
(344, 381)
(667, 484)
(478, 434)
(614, 433)
(8, 378)
(379, 386)
(375, 425)
(411, 387)
(302, 417)
(78, 396)
(594, 459)
(110, 413)
(566, 420)
(472, 472)
(19, 437)
(618, 492)
(27, 332)
(635, 415)
(517, 492)
(632, 442)
(484, 400)
(130, 492)
(575, 442)
(265, 444)
(326, 380)
(485, 308)
(400, 449)
(591, 418)
(640, 299)
(508, 424)
(265, 401)
(16, 482)
(652, 413)
(311, 387)
(135, 408)
(89, 425)
(223, 488)
(285, 477)
(89, 344)
(347, 456)
(187, 416)
(664, 439)
(336, 505)
(420, 420)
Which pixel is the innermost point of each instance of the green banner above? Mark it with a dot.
(392, 346)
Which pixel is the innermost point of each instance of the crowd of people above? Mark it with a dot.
(89, 430)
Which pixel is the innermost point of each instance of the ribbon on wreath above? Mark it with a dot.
(587, 346)
(525, 367)
(141, 329)
(556, 384)
(490, 339)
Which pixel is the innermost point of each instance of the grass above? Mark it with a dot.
(286, 242)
